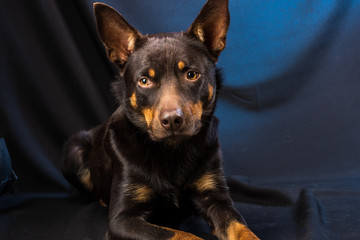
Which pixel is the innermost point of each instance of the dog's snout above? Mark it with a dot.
(171, 120)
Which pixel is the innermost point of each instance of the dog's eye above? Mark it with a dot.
(144, 82)
(192, 75)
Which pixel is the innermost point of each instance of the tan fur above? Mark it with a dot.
(131, 43)
(196, 110)
(199, 32)
(211, 92)
(221, 44)
(151, 72)
(102, 203)
(181, 65)
(180, 235)
(133, 101)
(85, 179)
(238, 231)
(113, 55)
(116, 55)
(206, 182)
(140, 193)
(149, 115)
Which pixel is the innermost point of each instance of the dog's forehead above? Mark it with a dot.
(160, 50)
(162, 42)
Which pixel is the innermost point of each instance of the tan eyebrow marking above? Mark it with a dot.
(151, 72)
(133, 101)
(181, 65)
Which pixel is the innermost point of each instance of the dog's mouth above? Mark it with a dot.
(173, 140)
(174, 137)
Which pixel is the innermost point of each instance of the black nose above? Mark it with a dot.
(171, 120)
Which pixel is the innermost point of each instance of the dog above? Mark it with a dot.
(157, 160)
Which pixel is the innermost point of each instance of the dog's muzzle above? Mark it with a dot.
(171, 120)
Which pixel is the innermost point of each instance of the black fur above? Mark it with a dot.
(151, 175)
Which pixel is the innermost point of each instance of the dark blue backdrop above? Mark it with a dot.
(289, 112)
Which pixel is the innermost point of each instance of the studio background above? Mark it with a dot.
(289, 112)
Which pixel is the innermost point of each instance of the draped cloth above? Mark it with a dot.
(289, 112)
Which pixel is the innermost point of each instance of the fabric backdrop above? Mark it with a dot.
(289, 112)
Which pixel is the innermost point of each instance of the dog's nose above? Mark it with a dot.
(171, 120)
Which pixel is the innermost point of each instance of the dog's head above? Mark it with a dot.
(168, 81)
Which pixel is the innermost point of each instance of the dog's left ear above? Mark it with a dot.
(117, 34)
(211, 26)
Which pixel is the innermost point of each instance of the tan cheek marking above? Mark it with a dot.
(140, 193)
(85, 178)
(238, 231)
(211, 92)
(148, 114)
(151, 72)
(206, 182)
(133, 101)
(181, 65)
(196, 110)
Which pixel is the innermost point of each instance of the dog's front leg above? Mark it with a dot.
(213, 201)
(137, 228)
(129, 207)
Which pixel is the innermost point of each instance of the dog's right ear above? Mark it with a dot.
(116, 33)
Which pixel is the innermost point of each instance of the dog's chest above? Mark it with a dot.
(171, 208)
(168, 175)
(170, 172)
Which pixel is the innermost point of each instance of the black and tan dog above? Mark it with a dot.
(157, 160)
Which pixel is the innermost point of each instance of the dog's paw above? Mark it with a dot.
(238, 231)
(180, 235)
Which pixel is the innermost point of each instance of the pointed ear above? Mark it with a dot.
(116, 33)
(211, 26)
